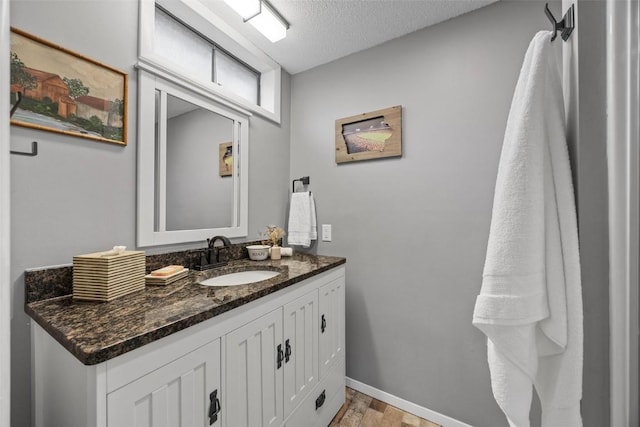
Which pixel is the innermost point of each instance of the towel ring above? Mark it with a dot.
(305, 181)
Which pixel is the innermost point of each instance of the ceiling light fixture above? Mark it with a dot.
(245, 8)
(264, 17)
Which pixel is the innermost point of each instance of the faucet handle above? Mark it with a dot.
(205, 256)
(218, 249)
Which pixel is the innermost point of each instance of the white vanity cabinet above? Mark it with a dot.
(267, 363)
(254, 382)
(300, 368)
(327, 396)
(183, 393)
(272, 364)
(332, 324)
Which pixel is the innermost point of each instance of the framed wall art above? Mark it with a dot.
(368, 136)
(225, 154)
(57, 90)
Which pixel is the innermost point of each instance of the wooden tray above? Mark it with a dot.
(165, 280)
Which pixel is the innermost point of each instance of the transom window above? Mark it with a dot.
(187, 43)
(204, 59)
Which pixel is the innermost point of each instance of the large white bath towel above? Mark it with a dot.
(302, 228)
(530, 304)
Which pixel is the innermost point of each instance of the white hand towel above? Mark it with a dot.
(314, 225)
(302, 220)
(530, 304)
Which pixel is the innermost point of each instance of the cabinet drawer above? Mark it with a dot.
(333, 387)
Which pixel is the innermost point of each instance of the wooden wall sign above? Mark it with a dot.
(225, 159)
(368, 136)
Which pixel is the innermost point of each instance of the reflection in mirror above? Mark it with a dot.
(192, 164)
(198, 194)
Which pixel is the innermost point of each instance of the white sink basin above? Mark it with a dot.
(240, 278)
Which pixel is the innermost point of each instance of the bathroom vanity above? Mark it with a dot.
(269, 353)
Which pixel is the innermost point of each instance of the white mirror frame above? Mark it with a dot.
(149, 197)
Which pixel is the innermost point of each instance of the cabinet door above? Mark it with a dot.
(301, 349)
(331, 324)
(254, 373)
(175, 395)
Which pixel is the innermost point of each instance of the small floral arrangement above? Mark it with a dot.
(274, 234)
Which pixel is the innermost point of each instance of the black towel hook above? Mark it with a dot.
(565, 26)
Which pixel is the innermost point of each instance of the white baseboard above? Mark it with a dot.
(405, 405)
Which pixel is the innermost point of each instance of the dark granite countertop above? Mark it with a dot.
(95, 332)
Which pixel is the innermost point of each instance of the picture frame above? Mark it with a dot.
(368, 136)
(225, 156)
(57, 90)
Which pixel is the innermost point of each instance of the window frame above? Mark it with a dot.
(220, 49)
(203, 21)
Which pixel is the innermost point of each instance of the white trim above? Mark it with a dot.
(623, 101)
(151, 197)
(5, 242)
(405, 405)
(204, 89)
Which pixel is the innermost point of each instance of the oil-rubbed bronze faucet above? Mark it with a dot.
(226, 243)
(210, 256)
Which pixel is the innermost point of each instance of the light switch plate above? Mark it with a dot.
(326, 232)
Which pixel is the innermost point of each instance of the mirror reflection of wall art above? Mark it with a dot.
(367, 136)
(62, 91)
(226, 159)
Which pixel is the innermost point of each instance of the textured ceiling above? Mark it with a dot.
(322, 31)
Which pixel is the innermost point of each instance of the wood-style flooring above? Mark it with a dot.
(361, 410)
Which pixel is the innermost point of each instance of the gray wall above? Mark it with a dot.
(414, 229)
(77, 195)
(197, 196)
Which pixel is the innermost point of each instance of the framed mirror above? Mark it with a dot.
(192, 165)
